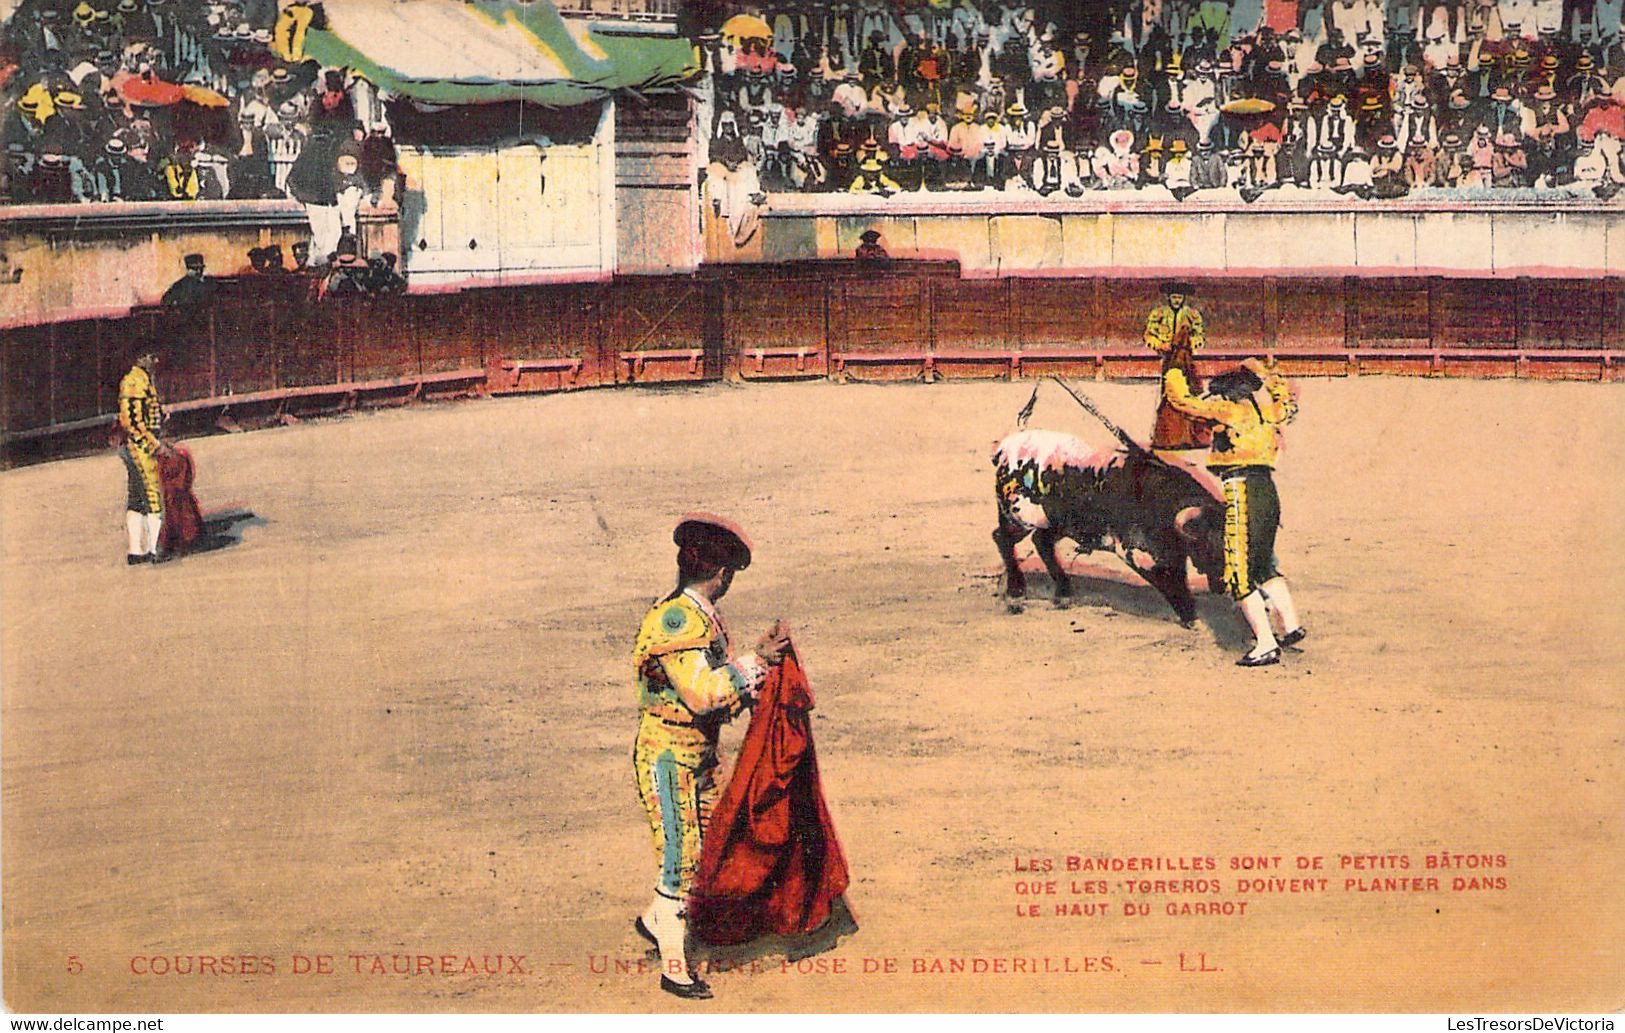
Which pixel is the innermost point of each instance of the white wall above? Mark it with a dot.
(510, 213)
(1368, 240)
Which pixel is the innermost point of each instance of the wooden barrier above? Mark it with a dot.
(266, 349)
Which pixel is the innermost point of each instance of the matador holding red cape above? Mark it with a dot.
(762, 859)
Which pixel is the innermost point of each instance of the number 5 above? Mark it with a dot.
(75, 966)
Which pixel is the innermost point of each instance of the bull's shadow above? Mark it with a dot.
(1094, 583)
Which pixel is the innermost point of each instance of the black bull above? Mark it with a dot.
(1156, 515)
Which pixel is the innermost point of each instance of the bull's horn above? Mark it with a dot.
(1184, 517)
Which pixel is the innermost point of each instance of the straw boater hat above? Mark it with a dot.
(1371, 104)
(1546, 92)
(1179, 146)
(1388, 143)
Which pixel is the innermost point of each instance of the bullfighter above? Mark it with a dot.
(140, 416)
(1175, 331)
(1245, 445)
(689, 684)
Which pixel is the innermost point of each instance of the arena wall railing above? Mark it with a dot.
(265, 351)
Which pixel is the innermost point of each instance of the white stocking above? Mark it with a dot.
(1258, 619)
(154, 523)
(1279, 598)
(671, 932)
(135, 529)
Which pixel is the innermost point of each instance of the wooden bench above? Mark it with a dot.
(759, 356)
(508, 374)
(637, 360)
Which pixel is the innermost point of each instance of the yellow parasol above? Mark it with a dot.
(1249, 106)
(746, 26)
(203, 96)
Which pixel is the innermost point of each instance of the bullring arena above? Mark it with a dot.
(395, 718)
(367, 748)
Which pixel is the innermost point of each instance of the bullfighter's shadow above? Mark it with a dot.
(223, 530)
(1094, 583)
(826, 937)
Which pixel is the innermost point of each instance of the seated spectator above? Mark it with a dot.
(177, 176)
(1388, 170)
(1177, 174)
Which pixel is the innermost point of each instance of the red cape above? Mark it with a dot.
(183, 521)
(771, 862)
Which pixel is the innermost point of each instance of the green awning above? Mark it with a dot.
(491, 51)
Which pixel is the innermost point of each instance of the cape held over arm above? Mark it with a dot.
(771, 862)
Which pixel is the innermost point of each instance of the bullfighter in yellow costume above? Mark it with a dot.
(1245, 445)
(141, 416)
(1176, 332)
(689, 685)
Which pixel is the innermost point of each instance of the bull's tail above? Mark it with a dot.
(1027, 410)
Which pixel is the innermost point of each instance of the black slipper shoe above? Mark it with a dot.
(1273, 656)
(1292, 638)
(695, 991)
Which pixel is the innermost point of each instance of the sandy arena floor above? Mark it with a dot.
(396, 719)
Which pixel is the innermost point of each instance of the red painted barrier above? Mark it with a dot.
(266, 349)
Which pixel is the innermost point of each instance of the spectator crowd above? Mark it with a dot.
(1363, 98)
(182, 100)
